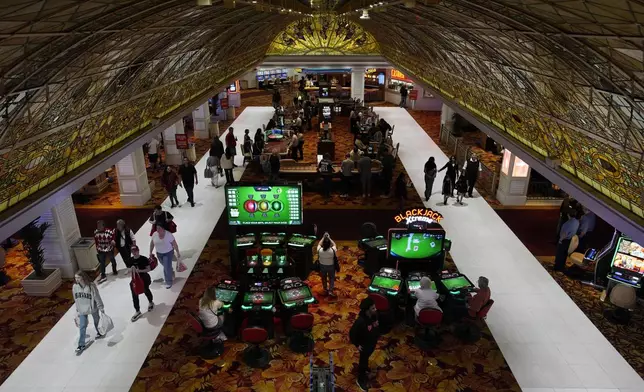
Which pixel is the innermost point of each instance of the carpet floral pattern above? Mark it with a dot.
(454, 366)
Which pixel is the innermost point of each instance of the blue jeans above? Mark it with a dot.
(165, 259)
(327, 272)
(84, 320)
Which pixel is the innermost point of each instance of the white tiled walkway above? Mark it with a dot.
(112, 364)
(548, 342)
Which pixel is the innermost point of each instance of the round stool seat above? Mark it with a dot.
(623, 296)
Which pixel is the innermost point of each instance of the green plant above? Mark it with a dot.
(32, 236)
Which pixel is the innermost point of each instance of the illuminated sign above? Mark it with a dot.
(370, 70)
(181, 141)
(395, 74)
(419, 215)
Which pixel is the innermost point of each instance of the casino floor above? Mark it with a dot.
(535, 338)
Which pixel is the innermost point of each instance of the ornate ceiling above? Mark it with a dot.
(564, 77)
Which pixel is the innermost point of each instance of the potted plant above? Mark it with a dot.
(41, 282)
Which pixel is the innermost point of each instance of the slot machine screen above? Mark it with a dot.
(628, 261)
(415, 245)
(264, 204)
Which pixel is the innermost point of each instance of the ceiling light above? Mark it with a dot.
(365, 14)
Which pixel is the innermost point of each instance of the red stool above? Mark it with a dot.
(213, 346)
(255, 356)
(301, 340)
(427, 319)
(385, 314)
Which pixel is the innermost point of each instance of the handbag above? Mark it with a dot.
(138, 286)
(336, 262)
(153, 262)
(207, 172)
(105, 324)
(181, 266)
(170, 225)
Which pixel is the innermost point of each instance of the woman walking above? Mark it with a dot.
(227, 164)
(165, 245)
(88, 301)
(461, 189)
(161, 218)
(430, 176)
(124, 238)
(170, 181)
(326, 256)
(447, 188)
(141, 266)
(452, 171)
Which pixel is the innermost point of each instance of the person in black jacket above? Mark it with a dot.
(472, 168)
(452, 171)
(364, 335)
(124, 238)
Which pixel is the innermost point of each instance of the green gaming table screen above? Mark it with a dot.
(409, 245)
(385, 283)
(264, 204)
(457, 283)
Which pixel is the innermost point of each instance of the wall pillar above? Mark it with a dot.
(133, 179)
(357, 83)
(513, 180)
(446, 118)
(60, 236)
(172, 154)
(201, 120)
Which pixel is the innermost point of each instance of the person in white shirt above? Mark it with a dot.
(425, 296)
(165, 245)
(326, 256)
(153, 153)
(209, 309)
(293, 146)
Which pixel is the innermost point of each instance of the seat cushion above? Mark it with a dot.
(577, 258)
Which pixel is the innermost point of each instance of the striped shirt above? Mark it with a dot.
(103, 240)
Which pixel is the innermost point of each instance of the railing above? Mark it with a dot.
(488, 178)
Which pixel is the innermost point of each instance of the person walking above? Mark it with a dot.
(165, 245)
(88, 301)
(430, 176)
(153, 153)
(213, 167)
(104, 239)
(160, 218)
(388, 165)
(403, 96)
(231, 143)
(227, 165)
(471, 169)
(141, 266)
(247, 147)
(124, 238)
(447, 189)
(452, 171)
(461, 188)
(364, 335)
(327, 254)
(401, 190)
(364, 167)
(259, 140)
(170, 181)
(346, 168)
(275, 165)
(189, 179)
(217, 151)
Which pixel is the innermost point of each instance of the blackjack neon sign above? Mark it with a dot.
(419, 215)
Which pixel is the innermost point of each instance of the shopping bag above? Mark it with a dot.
(105, 323)
(137, 282)
(207, 172)
(153, 262)
(181, 266)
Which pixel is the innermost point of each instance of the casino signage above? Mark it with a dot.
(419, 215)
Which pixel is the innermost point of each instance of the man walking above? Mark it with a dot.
(104, 239)
(403, 96)
(364, 335)
(189, 178)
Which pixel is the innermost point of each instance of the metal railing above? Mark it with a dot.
(488, 177)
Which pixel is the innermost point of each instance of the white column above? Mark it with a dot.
(172, 154)
(513, 180)
(60, 236)
(446, 118)
(201, 120)
(133, 179)
(357, 83)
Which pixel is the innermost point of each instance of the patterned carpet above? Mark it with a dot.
(453, 366)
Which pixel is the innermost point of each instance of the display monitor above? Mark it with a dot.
(415, 245)
(225, 295)
(386, 283)
(628, 261)
(258, 298)
(326, 111)
(457, 283)
(295, 294)
(264, 204)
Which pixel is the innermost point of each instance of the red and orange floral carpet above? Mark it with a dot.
(454, 366)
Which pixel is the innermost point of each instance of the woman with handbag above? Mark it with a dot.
(163, 219)
(170, 181)
(165, 245)
(140, 281)
(88, 301)
(328, 260)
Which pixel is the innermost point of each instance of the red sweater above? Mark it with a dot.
(479, 300)
(103, 240)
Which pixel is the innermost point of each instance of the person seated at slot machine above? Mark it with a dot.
(425, 296)
(481, 297)
(209, 307)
